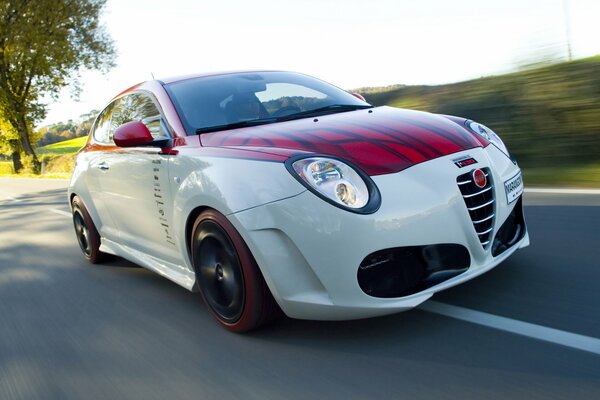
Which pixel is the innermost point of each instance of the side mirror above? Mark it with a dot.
(132, 134)
(359, 96)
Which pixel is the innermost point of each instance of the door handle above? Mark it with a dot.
(103, 166)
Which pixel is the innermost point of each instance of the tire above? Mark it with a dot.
(86, 232)
(230, 281)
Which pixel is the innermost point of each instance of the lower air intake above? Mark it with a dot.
(402, 271)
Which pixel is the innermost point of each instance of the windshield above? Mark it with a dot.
(211, 103)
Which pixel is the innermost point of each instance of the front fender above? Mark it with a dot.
(228, 185)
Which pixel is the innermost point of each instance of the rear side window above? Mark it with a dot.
(131, 107)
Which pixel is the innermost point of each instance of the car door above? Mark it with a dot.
(95, 171)
(136, 185)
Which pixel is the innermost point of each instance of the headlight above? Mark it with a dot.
(337, 182)
(488, 134)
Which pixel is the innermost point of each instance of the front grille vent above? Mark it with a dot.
(480, 203)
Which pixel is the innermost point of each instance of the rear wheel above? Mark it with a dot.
(86, 232)
(230, 281)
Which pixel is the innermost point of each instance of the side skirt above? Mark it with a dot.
(168, 270)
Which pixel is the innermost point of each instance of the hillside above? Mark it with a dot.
(548, 117)
(64, 147)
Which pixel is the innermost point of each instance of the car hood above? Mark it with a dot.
(380, 141)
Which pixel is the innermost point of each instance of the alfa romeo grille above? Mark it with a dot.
(480, 203)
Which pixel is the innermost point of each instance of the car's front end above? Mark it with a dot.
(397, 205)
(324, 262)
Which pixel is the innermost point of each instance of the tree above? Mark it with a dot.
(9, 143)
(43, 45)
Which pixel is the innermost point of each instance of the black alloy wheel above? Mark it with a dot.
(221, 277)
(229, 279)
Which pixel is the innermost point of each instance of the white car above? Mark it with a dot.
(269, 191)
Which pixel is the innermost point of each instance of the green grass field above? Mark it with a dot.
(66, 147)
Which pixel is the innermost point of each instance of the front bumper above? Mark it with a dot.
(309, 251)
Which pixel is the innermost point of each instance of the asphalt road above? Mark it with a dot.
(69, 330)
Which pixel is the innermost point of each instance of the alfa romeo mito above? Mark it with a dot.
(271, 192)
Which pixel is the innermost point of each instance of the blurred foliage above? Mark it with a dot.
(6, 168)
(29, 166)
(8, 135)
(548, 116)
(58, 163)
(53, 166)
(43, 46)
(56, 159)
(62, 131)
(578, 176)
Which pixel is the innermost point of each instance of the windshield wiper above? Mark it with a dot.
(330, 109)
(234, 125)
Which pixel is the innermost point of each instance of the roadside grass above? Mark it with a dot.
(61, 175)
(58, 167)
(586, 176)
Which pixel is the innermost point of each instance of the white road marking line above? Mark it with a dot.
(60, 212)
(572, 340)
(562, 191)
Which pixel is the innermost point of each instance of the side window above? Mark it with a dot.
(102, 131)
(131, 107)
(138, 107)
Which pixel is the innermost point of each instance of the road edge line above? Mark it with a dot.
(539, 332)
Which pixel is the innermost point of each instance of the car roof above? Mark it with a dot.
(205, 74)
(168, 80)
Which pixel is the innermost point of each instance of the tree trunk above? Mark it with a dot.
(17, 164)
(24, 135)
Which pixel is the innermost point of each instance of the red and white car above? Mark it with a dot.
(269, 191)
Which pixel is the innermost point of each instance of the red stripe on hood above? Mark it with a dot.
(380, 141)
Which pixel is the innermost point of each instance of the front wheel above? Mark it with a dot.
(230, 281)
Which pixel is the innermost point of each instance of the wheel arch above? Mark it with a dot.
(189, 225)
(72, 195)
(258, 299)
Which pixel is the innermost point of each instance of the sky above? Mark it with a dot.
(350, 43)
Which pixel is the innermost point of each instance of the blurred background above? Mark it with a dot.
(548, 116)
(529, 70)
